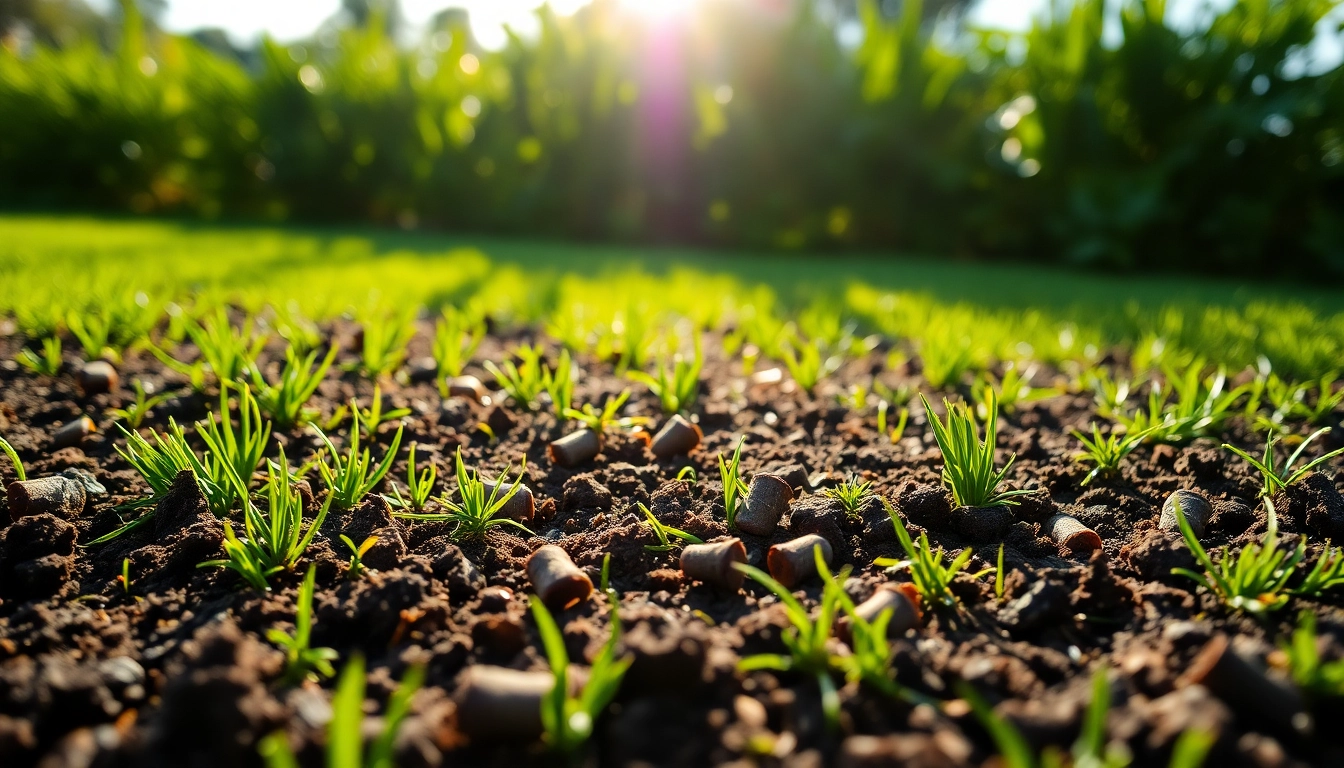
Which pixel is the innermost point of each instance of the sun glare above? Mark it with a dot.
(659, 10)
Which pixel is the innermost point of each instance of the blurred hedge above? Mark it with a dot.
(746, 125)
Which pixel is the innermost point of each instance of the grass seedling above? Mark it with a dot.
(1014, 389)
(677, 386)
(1328, 573)
(224, 354)
(1106, 453)
(275, 538)
(302, 661)
(384, 343)
(931, 578)
(1200, 406)
(896, 432)
(352, 477)
(373, 417)
(48, 364)
(134, 413)
(1255, 581)
(1303, 660)
(946, 362)
(734, 488)
(125, 576)
(14, 459)
(998, 575)
(558, 382)
(357, 551)
(1322, 409)
(808, 641)
(477, 511)
(687, 475)
(93, 330)
(1277, 478)
(522, 381)
(285, 401)
(569, 720)
(456, 339)
(1091, 750)
(418, 486)
(235, 452)
(160, 462)
(1110, 394)
(808, 364)
(345, 731)
(604, 420)
(852, 495)
(664, 531)
(968, 461)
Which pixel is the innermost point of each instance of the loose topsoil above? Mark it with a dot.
(178, 672)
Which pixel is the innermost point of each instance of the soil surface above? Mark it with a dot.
(178, 671)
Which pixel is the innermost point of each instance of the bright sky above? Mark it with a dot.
(246, 20)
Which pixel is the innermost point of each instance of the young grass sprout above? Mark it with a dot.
(302, 661)
(1278, 478)
(968, 461)
(235, 452)
(345, 731)
(852, 495)
(663, 532)
(134, 413)
(274, 539)
(285, 401)
(931, 578)
(559, 384)
(385, 337)
(676, 386)
(478, 510)
(418, 486)
(523, 381)
(357, 552)
(606, 419)
(456, 339)
(14, 459)
(1255, 581)
(569, 720)
(808, 640)
(373, 417)
(1302, 657)
(1106, 453)
(49, 363)
(734, 488)
(352, 477)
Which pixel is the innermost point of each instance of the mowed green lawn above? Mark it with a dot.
(51, 265)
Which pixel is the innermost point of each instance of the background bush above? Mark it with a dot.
(1204, 149)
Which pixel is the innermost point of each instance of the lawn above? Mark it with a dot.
(53, 264)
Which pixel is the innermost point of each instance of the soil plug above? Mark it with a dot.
(575, 448)
(767, 501)
(73, 433)
(62, 495)
(557, 580)
(1246, 688)
(467, 386)
(97, 377)
(677, 438)
(902, 599)
(713, 563)
(793, 561)
(1194, 506)
(520, 505)
(981, 524)
(1069, 532)
(496, 703)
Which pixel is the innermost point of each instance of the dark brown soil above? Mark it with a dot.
(179, 673)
